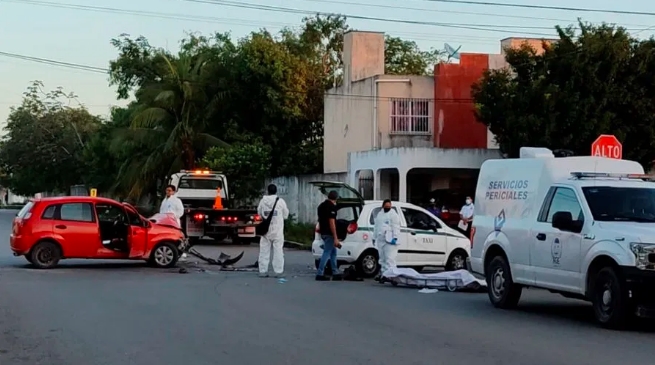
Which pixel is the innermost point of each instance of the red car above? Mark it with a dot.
(81, 227)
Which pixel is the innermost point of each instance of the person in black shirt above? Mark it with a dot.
(327, 226)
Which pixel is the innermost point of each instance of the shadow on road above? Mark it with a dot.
(581, 313)
(90, 265)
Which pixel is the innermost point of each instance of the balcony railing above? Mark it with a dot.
(410, 116)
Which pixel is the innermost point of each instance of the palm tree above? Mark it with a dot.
(169, 123)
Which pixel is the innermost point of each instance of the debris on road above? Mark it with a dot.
(223, 260)
(428, 291)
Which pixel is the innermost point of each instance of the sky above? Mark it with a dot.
(55, 30)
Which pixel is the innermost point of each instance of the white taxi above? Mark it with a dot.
(425, 240)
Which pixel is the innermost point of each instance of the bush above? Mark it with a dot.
(302, 233)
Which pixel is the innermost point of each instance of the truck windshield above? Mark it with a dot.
(609, 203)
(200, 183)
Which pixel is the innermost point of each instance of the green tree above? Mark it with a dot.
(600, 81)
(44, 142)
(404, 57)
(245, 164)
(169, 117)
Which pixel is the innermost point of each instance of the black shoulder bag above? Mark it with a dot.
(262, 228)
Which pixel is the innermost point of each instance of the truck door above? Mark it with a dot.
(555, 254)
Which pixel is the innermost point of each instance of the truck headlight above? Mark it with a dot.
(641, 252)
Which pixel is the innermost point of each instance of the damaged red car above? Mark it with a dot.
(48, 230)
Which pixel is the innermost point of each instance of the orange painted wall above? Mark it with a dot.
(452, 92)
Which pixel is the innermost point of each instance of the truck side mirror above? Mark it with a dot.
(564, 221)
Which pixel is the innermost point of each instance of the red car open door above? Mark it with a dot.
(137, 236)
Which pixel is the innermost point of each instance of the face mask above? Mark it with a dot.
(386, 210)
(468, 202)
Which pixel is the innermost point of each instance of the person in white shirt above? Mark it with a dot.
(173, 205)
(466, 217)
(385, 236)
(275, 235)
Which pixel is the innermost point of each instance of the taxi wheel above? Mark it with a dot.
(503, 293)
(164, 255)
(610, 299)
(457, 260)
(367, 263)
(45, 255)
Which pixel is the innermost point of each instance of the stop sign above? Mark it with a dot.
(607, 145)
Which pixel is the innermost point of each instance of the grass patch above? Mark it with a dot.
(302, 233)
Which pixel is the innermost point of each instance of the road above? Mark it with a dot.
(89, 313)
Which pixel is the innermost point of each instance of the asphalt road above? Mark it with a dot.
(95, 313)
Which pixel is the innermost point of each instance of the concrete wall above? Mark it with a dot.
(349, 117)
(301, 197)
(348, 123)
(454, 105)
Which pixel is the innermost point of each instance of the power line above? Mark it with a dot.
(231, 21)
(544, 7)
(55, 63)
(272, 8)
(480, 27)
(97, 69)
(13, 103)
(244, 22)
(454, 11)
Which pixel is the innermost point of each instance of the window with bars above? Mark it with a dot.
(410, 116)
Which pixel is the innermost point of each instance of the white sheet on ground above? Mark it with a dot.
(451, 280)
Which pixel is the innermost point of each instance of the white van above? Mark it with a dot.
(583, 227)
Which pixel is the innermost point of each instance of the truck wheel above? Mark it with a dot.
(503, 293)
(45, 255)
(164, 255)
(609, 299)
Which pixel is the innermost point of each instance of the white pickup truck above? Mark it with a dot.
(197, 189)
(583, 227)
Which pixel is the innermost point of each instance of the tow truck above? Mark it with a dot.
(207, 211)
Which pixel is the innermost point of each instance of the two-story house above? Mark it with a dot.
(405, 136)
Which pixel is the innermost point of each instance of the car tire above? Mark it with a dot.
(367, 264)
(45, 255)
(164, 255)
(29, 259)
(610, 300)
(503, 293)
(456, 260)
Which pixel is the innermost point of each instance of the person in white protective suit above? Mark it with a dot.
(173, 205)
(385, 236)
(275, 235)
